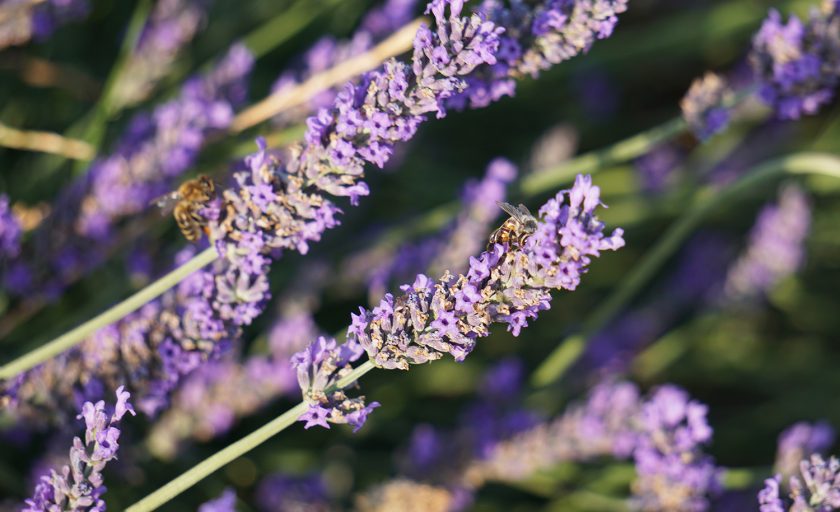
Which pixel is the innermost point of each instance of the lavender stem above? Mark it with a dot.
(219, 459)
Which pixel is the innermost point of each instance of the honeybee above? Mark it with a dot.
(516, 229)
(187, 202)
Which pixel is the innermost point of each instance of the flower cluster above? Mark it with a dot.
(601, 426)
(537, 37)
(662, 433)
(799, 442)
(274, 207)
(502, 285)
(79, 485)
(797, 64)
(171, 25)
(395, 494)
(154, 152)
(284, 492)
(226, 502)
(10, 231)
(22, 20)
(816, 488)
(775, 249)
(672, 471)
(705, 106)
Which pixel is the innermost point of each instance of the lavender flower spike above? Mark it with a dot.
(22, 20)
(799, 442)
(817, 489)
(796, 64)
(79, 486)
(776, 247)
(505, 284)
(705, 106)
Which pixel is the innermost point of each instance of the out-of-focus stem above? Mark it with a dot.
(627, 149)
(129, 305)
(45, 142)
(219, 459)
(705, 201)
(399, 42)
(94, 126)
(283, 27)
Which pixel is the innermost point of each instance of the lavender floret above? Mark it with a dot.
(80, 485)
(705, 106)
(797, 63)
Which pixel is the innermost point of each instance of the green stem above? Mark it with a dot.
(129, 305)
(706, 200)
(627, 149)
(219, 459)
(280, 29)
(103, 110)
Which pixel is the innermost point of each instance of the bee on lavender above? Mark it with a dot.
(186, 204)
(516, 229)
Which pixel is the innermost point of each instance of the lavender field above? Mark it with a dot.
(419, 255)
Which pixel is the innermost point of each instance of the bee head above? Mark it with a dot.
(529, 225)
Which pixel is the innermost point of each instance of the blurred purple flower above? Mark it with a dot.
(797, 64)
(655, 168)
(775, 249)
(705, 106)
(10, 231)
(150, 157)
(800, 441)
(79, 485)
(171, 25)
(22, 20)
(226, 502)
(283, 492)
(815, 488)
(672, 472)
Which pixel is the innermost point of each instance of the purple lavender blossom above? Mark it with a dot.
(816, 488)
(79, 485)
(601, 426)
(797, 64)
(656, 167)
(171, 25)
(775, 249)
(273, 208)
(285, 492)
(10, 231)
(800, 441)
(154, 152)
(535, 38)
(22, 20)
(395, 494)
(226, 502)
(705, 106)
(672, 472)
(502, 285)
(663, 434)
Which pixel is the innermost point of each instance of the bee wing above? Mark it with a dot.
(166, 202)
(509, 209)
(524, 211)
